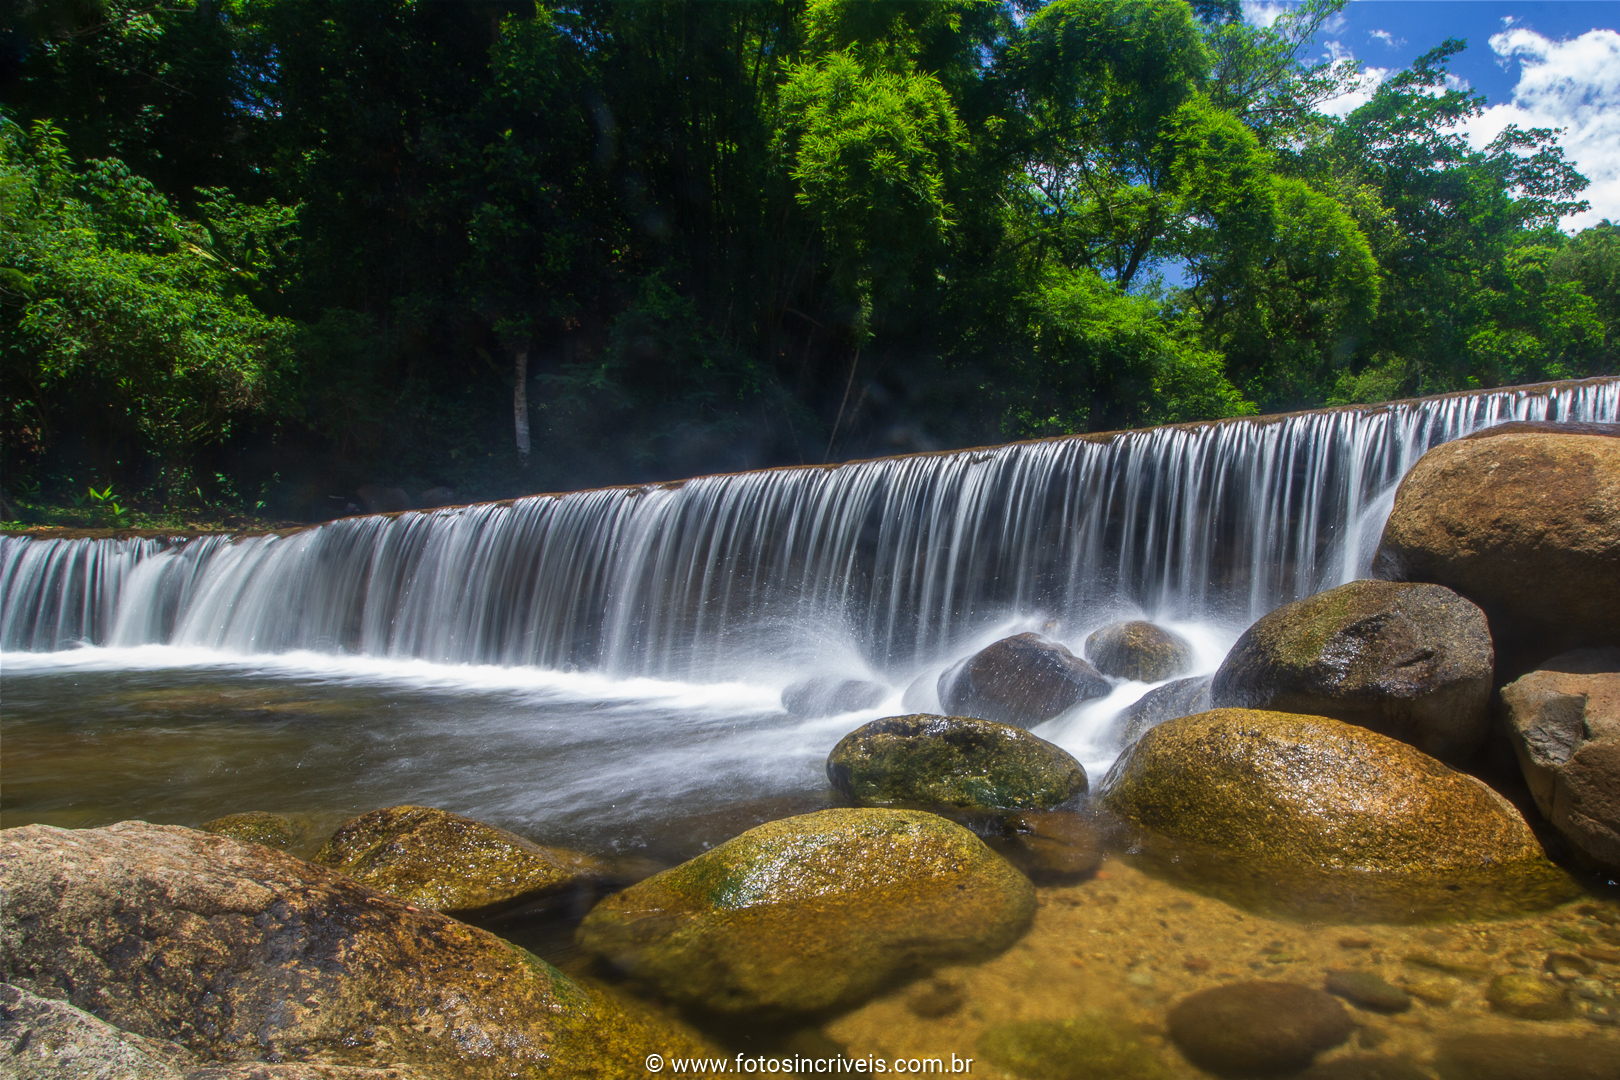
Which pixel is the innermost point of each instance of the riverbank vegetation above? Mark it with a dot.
(258, 254)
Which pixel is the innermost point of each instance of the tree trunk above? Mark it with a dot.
(520, 401)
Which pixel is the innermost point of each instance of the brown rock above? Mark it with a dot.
(1480, 1056)
(1413, 662)
(1139, 650)
(1547, 427)
(254, 827)
(1529, 997)
(1244, 1029)
(1051, 848)
(1525, 525)
(1020, 680)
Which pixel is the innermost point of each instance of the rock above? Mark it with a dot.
(1090, 1047)
(1365, 1067)
(1546, 427)
(1259, 1027)
(813, 912)
(1527, 526)
(922, 696)
(935, 998)
(1054, 848)
(1368, 989)
(1180, 698)
(1479, 1056)
(436, 496)
(1410, 661)
(383, 500)
(1311, 813)
(1020, 680)
(952, 761)
(449, 863)
(824, 696)
(1565, 729)
(1529, 997)
(1139, 650)
(241, 953)
(253, 827)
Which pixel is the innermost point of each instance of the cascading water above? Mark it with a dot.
(901, 561)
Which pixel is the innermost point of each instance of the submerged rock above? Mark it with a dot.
(450, 863)
(1480, 1056)
(1139, 650)
(957, 762)
(1565, 729)
(824, 696)
(254, 827)
(1090, 1047)
(1308, 814)
(244, 954)
(1020, 680)
(1054, 848)
(1180, 698)
(1250, 1028)
(813, 912)
(1368, 989)
(1529, 997)
(1526, 525)
(1365, 1067)
(1409, 661)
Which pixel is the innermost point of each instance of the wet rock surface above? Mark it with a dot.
(1020, 680)
(240, 953)
(1090, 1047)
(813, 912)
(824, 696)
(1139, 650)
(1525, 525)
(1529, 996)
(954, 762)
(1258, 1027)
(1279, 808)
(1180, 698)
(1410, 661)
(449, 863)
(1565, 729)
(254, 827)
(1050, 848)
(1367, 989)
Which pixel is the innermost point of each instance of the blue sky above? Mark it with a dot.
(1539, 64)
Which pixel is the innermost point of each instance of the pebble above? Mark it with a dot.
(1432, 990)
(1368, 989)
(1528, 997)
(936, 997)
(1257, 1027)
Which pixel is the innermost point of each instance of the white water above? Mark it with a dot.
(732, 586)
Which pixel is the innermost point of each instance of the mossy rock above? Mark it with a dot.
(1139, 650)
(1021, 680)
(1090, 1047)
(449, 863)
(956, 762)
(1306, 815)
(254, 827)
(813, 912)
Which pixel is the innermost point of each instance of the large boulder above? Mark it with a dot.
(829, 696)
(955, 762)
(1565, 727)
(1180, 698)
(1410, 661)
(240, 953)
(1020, 680)
(1139, 650)
(1305, 813)
(449, 863)
(1525, 525)
(813, 912)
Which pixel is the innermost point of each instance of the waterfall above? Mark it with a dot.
(898, 560)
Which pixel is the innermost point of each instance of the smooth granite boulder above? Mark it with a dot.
(240, 953)
(953, 762)
(1413, 662)
(1565, 728)
(1258, 1028)
(1304, 813)
(1527, 526)
(1180, 698)
(449, 863)
(1020, 680)
(1139, 650)
(813, 912)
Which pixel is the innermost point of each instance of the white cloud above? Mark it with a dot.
(1572, 84)
(1264, 12)
(1390, 40)
(1357, 96)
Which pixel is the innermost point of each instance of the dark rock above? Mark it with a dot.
(1547, 427)
(1409, 661)
(1243, 1029)
(1365, 1067)
(1021, 680)
(254, 827)
(1139, 650)
(383, 500)
(241, 953)
(1090, 1047)
(1180, 698)
(1565, 729)
(1305, 809)
(449, 863)
(813, 912)
(952, 761)
(1054, 848)
(1478, 1056)
(935, 998)
(436, 496)
(829, 696)
(1368, 989)
(1527, 526)
(1529, 997)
